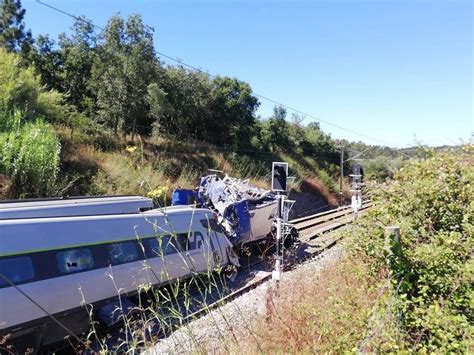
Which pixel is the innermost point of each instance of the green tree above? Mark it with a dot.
(13, 35)
(19, 87)
(297, 130)
(48, 62)
(220, 111)
(276, 132)
(125, 66)
(77, 53)
(68, 67)
(233, 112)
(156, 99)
(188, 95)
(318, 144)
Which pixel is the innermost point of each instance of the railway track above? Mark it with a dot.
(325, 221)
(311, 228)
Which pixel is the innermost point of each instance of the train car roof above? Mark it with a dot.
(7, 204)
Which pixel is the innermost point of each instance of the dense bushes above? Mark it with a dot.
(379, 169)
(433, 203)
(21, 89)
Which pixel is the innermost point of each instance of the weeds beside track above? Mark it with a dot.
(312, 228)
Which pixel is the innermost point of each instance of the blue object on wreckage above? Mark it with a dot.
(184, 197)
(239, 216)
(181, 197)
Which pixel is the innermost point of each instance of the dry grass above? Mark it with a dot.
(119, 174)
(81, 156)
(317, 313)
(5, 185)
(140, 171)
(163, 162)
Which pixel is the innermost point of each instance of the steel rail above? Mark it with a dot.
(319, 214)
(320, 218)
(329, 224)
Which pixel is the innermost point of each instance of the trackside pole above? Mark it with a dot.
(276, 274)
(341, 176)
(356, 199)
(279, 177)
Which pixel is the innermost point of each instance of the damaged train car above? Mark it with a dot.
(245, 212)
(53, 259)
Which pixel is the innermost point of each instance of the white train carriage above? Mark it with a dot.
(73, 206)
(50, 259)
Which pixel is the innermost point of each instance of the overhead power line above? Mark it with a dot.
(214, 76)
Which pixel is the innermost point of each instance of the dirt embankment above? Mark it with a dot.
(314, 197)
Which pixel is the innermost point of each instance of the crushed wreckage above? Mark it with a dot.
(245, 212)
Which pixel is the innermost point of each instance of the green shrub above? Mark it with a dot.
(51, 106)
(21, 89)
(379, 170)
(19, 86)
(433, 203)
(326, 180)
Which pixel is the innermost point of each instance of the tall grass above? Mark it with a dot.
(10, 121)
(30, 156)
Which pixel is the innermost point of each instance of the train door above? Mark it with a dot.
(198, 249)
(167, 257)
(217, 241)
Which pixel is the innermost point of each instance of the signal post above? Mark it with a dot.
(279, 185)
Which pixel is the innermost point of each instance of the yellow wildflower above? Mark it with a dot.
(131, 149)
(160, 191)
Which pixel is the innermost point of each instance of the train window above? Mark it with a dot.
(212, 224)
(198, 239)
(190, 241)
(163, 245)
(183, 241)
(74, 260)
(17, 270)
(120, 253)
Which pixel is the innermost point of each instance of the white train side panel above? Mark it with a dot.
(60, 294)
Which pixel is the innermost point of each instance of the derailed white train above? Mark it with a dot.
(44, 261)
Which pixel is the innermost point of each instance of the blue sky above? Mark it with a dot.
(389, 69)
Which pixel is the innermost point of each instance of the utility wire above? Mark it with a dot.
(357, 155)
(214, 76)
